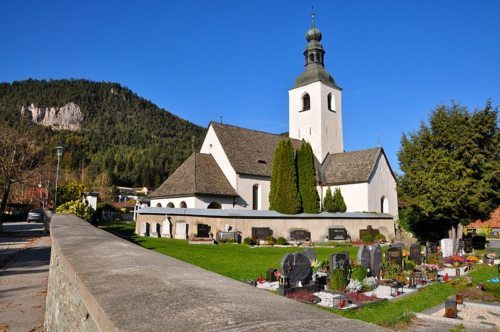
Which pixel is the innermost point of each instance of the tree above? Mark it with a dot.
(338, 201)
(284, 196)
(78, 208)
(72, 191)
(328, 205)
(307, 179)
(104, 185)
(451, 171)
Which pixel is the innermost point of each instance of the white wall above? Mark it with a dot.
(382, 183)
(355, 196)
(245, 190)
(194, 202)
(190, 201)
(319, 126)
(202, 202)
(211, 145)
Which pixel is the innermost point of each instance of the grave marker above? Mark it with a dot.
(395, 256)
(337, 234)
(447, 247)
(376, 259)
(300, 235)
(415, 253)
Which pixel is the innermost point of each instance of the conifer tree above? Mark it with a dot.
(328, 201)
(338, 201)
(284, 196)
(307, 179)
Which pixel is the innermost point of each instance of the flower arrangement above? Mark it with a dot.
(318, 265)
(405, 253)
(354, 286)
(369, 284)
(433, 268)
(472, 259)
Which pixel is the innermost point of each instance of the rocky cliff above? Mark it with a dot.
(67, 117)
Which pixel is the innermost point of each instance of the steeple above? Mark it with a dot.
(314, 56)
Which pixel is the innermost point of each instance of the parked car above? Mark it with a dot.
(35, 215)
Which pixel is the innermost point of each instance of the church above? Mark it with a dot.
(233, 168)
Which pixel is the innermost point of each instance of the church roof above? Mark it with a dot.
(199, 174)
(350, 167)
(249, 151)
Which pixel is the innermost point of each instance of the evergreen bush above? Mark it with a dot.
(307, 179)
(338, 201)
(337, 280)
(367, 238)
(248, 241)
(379, 238)
(328, 201)
(271, 240)
(359, 273)
(281, 241)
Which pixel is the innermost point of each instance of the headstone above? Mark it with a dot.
(368, 231)
(153, 230)
(398, 245)
(447, 247)
(311, 254)
(226, 236)
(430, 248)
(339, 261)
(337, 233)
(143, 229)
(203, 230)
(181, 231)
(416, 253)
(365, 256)
(376, 259)
(165, 229)
(297, 267)
(300, 235)
(395, 256)
(468, 245)
(261, 233)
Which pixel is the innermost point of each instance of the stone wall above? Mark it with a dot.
(99, 282)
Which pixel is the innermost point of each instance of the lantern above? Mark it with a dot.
(396, 289)
(450, 308)
(459, 298)
(340, 301)
(283, 282)
(457, 272)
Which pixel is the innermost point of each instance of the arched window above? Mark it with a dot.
(306, 102)
(311, 57)
(214, 205)
(330, 102)
(183, 205)
(384, 205)
(158, 204)
(170, 205)
(255, 197)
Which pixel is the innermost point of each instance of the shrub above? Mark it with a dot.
(281, 241)
(78, 208)
(303, 296)
(358, 273)
(248, 241)
(271, 240)
(409, 266)
(392, 271)
(368, 238)
(379, 238)
(337, 280)
(360, 297)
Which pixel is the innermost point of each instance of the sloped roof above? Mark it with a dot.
(493, 222)
(350, 167)
(199, 174)
(249, 151)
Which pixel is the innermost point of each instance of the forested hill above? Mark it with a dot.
(120, 133)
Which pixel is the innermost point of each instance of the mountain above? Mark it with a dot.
(103, 127)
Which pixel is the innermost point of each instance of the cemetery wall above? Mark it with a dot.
(282, 226)
(99, 282)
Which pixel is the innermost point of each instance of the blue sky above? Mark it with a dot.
(395, 60)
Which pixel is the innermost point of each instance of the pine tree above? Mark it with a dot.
(328, 201)
(338, 201)
(284, 196)
(307, 179)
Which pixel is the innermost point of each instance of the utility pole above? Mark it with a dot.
(59, 151)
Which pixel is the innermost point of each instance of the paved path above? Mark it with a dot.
(25, 254)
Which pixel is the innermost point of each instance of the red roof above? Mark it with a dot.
(494, 221)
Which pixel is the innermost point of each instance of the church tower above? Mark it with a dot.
(315, 104)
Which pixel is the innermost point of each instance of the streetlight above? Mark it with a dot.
(59, 152)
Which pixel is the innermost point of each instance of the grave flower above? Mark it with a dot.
(354, 286)
(472, 259)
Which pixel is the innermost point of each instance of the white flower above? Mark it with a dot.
(354, 286)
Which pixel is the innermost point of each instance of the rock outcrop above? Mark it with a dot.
(68, 117)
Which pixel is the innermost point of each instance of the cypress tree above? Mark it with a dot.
(283, 195)
(338, 201)
(307, 179)
(328, 201)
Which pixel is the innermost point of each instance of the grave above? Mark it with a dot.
(337, 234)
(371, 258)
(468, 245)
(221, 235)
(447, 247)
(340, 261)
(376, 259)
(165, 229)
(261, 233)
(311, 254)
(395, 256)
(300, 235)
(181, 230)
(416, 253)
(398, 245)
(368, 231)
(296, 274)
(203, 230)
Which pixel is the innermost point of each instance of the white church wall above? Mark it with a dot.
(211, 145)
(382, 184)
(355, 196)
(245, 190)
(202, 202)
(176, 201)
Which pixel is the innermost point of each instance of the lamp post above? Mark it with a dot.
(59, 151)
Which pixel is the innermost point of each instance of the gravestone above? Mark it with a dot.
(297, 267)
(165, 229)
(447, 247)
(311, 254)
(468, 245)
(430, 248)
(415, 253)
(154, 230)
(143, 229)
(340, 261)
(203, 230)
(226, 236)
(368, 231)
(365, 256)
(460, 246)
(395, 256)
(261, 233)
(398, 245)
(181, 231)
(376, 259)
(337, 234)
(300, 235)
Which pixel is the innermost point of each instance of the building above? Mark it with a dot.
(233, 168)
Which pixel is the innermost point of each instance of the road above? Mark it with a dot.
(24, 269)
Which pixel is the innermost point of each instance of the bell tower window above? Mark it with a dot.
(306, 102)
(330, 102)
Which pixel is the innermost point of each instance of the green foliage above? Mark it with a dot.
(379, 237)
(70, 192)
(409, 266)
(367, 238)
(392, 271)
(248, 241)
(328, 201)
(307, 179)
(284, 196)
(337, 280)
(358, 273)
(78, 208)
(338, 201)
(134, 141)
(281, 241)
(451, 171)
(271, 240)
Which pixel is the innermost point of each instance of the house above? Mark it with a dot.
(233, 168)
(487, 227)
